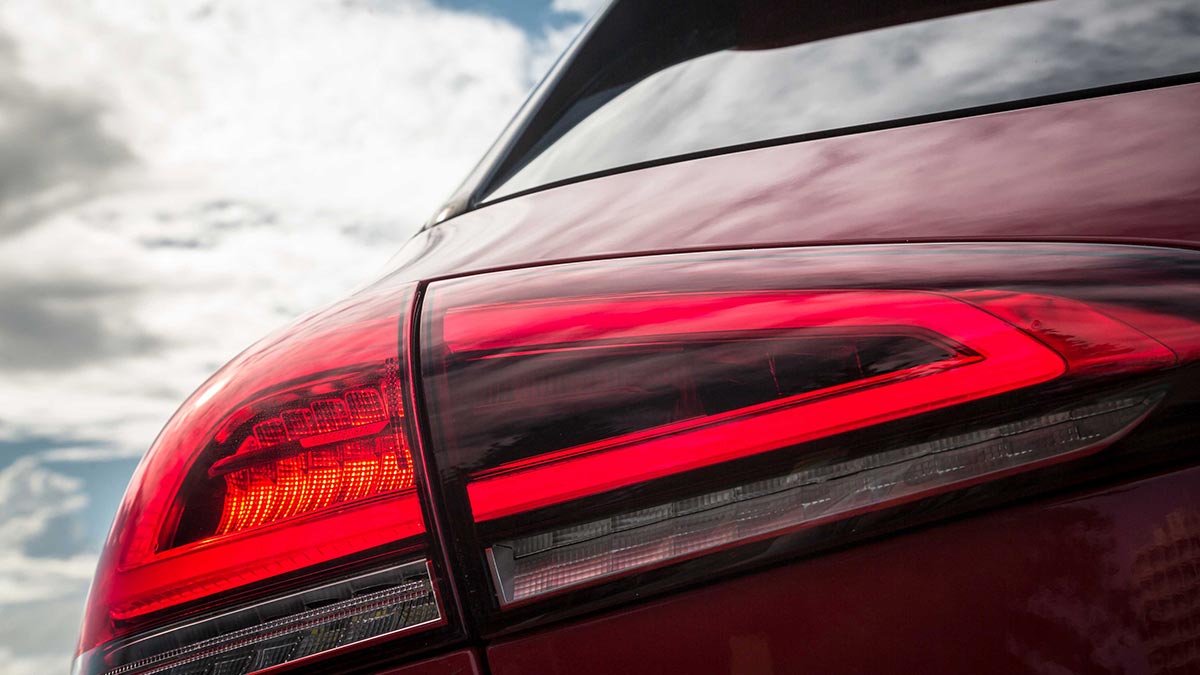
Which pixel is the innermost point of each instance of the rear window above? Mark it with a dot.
(657, 80)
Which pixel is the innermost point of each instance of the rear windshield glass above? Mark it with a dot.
(662, 83)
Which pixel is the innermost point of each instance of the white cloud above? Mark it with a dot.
(26, 485)
(30, 579)
(42, 556)
(41, 664)
(317, 104)
(249, 160)
(30, 497)
(279, 152)
(45, 567)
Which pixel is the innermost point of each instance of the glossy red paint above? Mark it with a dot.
(1106, 169)
(1061, 586)
(462, 662)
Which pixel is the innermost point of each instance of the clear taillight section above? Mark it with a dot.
(276, 518)
(290, 628)
(553, 560)
(597, 419)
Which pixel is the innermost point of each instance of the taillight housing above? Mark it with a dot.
(278, 516)
(585, 434)
(607, 429)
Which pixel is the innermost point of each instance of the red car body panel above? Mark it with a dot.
(1114, 168)
(462, 662)
(1062, 586)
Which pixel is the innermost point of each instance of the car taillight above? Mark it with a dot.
(595, 420)
(335, 443)
(277, 517)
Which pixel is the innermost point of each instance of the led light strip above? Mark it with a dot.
(991, 357)
(290, 628)
(556, 560)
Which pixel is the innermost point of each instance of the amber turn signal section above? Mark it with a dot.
(346, 472)
(334, 450)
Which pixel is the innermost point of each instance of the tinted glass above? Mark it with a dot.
(734, 73)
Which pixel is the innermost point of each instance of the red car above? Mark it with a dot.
(771, 337)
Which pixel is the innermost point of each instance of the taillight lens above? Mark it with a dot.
(877, 356)
(276, 517)
(597, 419)
(334, 443)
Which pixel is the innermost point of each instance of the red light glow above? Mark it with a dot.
(990, 356)
(345, 459)
(321, 470)
(345, 472)
(197, 572)
(336, 443)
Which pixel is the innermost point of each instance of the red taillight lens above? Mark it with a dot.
(302, 451)
(970, 354)
(601, 418)
(278, 487)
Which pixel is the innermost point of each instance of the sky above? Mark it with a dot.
(178, 179)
